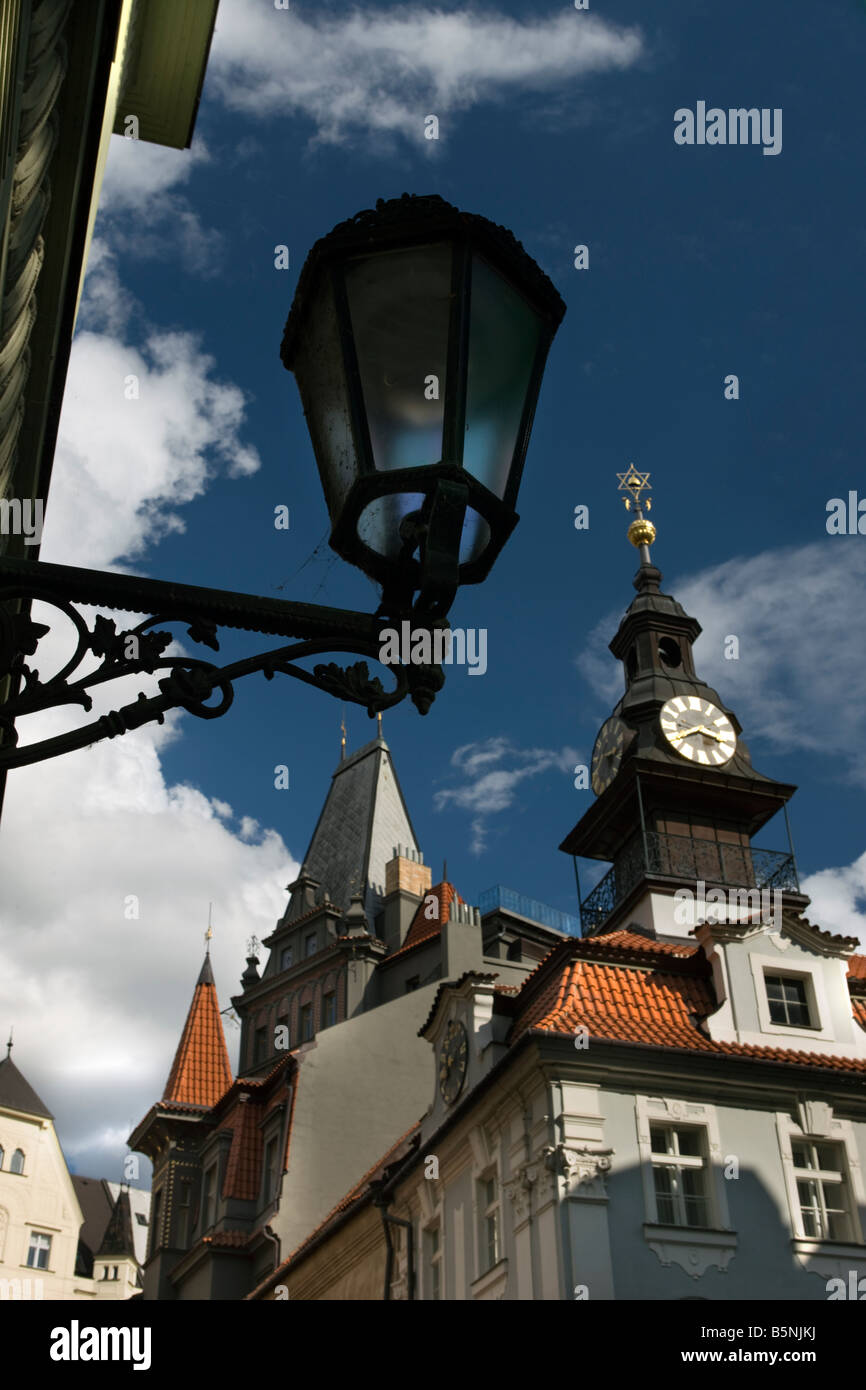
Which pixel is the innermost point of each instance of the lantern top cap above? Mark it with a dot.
(417, 219)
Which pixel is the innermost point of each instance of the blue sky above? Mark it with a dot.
(704, 261)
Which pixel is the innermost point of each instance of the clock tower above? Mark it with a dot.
(678, 802)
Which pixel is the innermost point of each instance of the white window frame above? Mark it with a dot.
(698, 1163)
(678, 1114)
(816, 997)
(34, 1247)
(840, 1133)
(432, 1263)
(483, 1213)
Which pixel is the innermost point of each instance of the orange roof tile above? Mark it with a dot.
(200, 1072)
(657, 1007)
(423, 927)
(857, 968)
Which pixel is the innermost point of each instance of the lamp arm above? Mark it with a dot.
(189, 680)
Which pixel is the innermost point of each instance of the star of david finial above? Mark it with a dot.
(635, 484)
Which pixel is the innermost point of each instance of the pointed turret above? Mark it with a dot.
(200, 1073)
(677, 797)
(16, 1093)
(363, 817)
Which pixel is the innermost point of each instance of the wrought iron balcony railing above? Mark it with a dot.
(684, 857)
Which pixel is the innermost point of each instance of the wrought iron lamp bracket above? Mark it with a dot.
(107, 654)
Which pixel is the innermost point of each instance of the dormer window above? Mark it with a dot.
(788, 1000)
(311, 944)
(286, 957)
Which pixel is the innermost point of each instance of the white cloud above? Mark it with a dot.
(97, 994)
(124, 466)
(381, 71)
(143, 212)
(798, 615)
(839, 899)
(487, 789)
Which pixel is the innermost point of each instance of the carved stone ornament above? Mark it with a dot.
(584, 1169)
(695, 1252)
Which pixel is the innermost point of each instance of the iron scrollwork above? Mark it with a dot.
(191, 681)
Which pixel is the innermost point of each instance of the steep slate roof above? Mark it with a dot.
(200, 1072)
(94, 1198)
(363, 818)
(118, 1238)
(18, 1094)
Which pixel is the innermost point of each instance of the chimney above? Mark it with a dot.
(407, 880)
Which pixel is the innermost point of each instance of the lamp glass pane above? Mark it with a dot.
(400, 303)
(321, 381)
(503, 340)
(379, 522)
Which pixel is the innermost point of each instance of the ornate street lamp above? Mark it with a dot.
(418, 337)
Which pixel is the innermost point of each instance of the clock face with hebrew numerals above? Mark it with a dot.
(607, 753)
(698, 730)
(453, 1060)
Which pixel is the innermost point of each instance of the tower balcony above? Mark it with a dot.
(685, 859)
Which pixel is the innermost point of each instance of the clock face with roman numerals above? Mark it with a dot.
(698, 730)
(453, 1060)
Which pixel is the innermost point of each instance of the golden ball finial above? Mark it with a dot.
(641, 532)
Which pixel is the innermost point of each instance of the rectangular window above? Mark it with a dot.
(329, 1010)
(286, 955)
(270, 1171)
(209, 1198)
(413, 983)
(260, 1045)
(311, 944)
(488, 1224)
(155, 1214)
(306, 1022)
(183, 1213)
(786, 996)
(433, 1261)
(680, 1176)
(822, 1190)
(39, 1250)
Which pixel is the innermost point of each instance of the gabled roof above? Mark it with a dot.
(118, 1237)
(200, 1073)
(363, 818)
(424, 928)
(17, 1094)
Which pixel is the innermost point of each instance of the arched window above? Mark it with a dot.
(17, 1165)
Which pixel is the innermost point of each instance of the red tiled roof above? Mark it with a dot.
(229, 1238)
(657, 1007)
(200, 1073)
(423, 927)
(857, 968)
